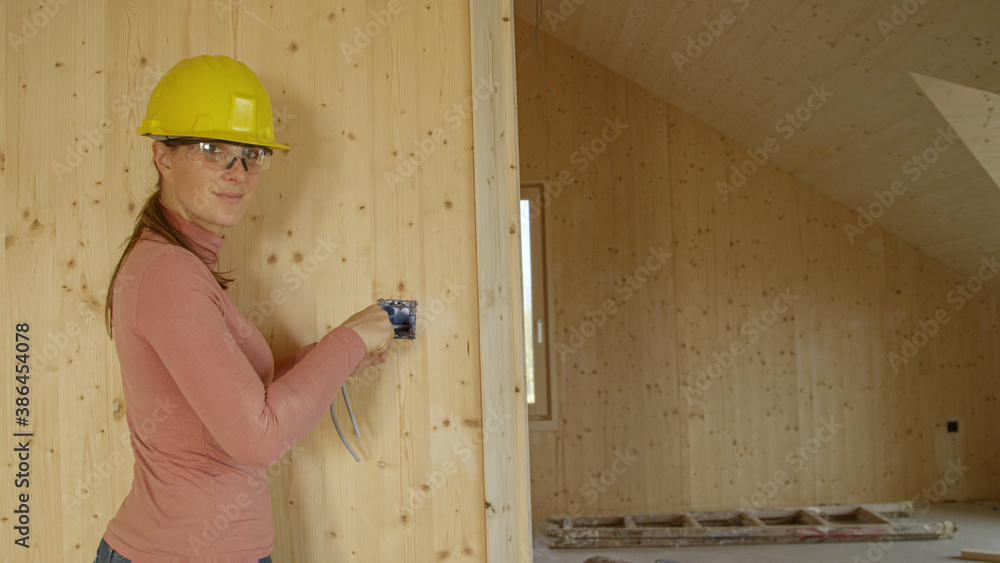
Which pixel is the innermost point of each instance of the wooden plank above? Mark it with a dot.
(871, 517)
(642, 157)
(813, 517)
(752, 520)
(974, 555)
(497, 187)
(690, 521)
(765, 250)
(704, 312)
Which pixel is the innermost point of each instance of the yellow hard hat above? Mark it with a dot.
(210, 97)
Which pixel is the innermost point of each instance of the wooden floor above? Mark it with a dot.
(978, 525)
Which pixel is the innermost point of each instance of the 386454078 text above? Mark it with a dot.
(22, 440)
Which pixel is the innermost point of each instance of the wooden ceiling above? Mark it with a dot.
(742, 66)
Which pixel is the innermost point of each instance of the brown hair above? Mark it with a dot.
(152, 217)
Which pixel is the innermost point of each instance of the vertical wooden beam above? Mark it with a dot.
(505, 424)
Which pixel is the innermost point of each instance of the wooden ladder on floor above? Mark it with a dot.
(857, 523)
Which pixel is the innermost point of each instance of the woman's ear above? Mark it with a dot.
(161, 157)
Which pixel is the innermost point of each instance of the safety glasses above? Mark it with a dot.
(220, 156)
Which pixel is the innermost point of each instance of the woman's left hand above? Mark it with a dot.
(371, 359)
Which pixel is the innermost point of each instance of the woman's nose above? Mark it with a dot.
(236, 170)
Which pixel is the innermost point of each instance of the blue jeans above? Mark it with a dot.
(105, 554)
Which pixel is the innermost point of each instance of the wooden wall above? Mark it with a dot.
(753, 366)
(377, 198)
(742, 66)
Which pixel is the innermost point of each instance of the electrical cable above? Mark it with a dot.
(336, 425)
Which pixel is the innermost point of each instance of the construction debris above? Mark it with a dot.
(855, 523)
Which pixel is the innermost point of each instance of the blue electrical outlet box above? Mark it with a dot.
(402, 315)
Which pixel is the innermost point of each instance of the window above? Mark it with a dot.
(534, 297)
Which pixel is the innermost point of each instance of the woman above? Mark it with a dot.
(208, 407)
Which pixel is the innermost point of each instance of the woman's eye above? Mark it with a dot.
(251, 153)
(210, 148)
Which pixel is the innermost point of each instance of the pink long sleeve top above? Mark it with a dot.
(207, 406)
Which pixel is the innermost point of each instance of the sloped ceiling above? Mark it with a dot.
(903, 95)
(973, 114)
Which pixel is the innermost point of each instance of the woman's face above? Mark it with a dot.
(211, 198)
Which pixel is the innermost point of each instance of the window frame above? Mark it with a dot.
(543, 413)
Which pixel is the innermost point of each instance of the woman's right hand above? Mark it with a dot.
(373, 326)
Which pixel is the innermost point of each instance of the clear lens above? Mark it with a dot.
(223, 156)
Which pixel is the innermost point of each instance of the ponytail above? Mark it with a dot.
(152, 217)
